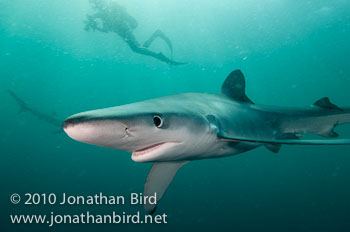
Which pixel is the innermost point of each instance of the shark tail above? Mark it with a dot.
(321, 120)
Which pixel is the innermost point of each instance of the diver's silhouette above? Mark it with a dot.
(111, 17)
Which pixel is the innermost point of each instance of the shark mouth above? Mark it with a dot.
(147, 149)
(153, 152)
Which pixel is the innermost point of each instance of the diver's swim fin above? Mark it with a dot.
(160, 34)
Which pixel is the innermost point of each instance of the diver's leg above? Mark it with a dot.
(130, 39)
(145, 51)
(160, 34)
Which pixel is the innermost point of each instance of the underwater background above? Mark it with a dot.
(291, 52)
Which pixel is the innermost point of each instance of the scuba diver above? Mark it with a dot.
(111, 17)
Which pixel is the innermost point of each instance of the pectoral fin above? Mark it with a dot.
(158, 180)
(226, 136)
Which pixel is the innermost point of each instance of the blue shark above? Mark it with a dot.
(24, 107)
(173, 130)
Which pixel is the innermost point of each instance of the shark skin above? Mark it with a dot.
(173, 130)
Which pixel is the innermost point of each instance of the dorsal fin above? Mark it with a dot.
(327, 104)
(234, 87)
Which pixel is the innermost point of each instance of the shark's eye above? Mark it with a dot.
(158, 121)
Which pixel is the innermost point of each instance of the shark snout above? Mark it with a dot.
(95, 129)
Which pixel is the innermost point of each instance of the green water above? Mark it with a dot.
(291, 52)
